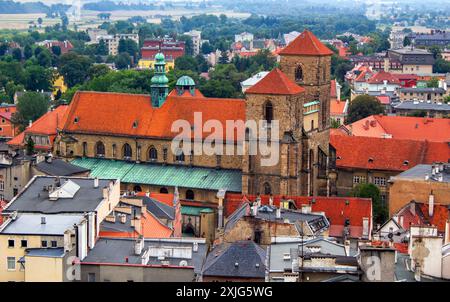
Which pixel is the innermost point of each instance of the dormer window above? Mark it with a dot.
(370, 160)
(405, 163)
(76, 119)
(135, 124)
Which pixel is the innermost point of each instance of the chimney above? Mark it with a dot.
(271, 200)
(447, 232)
(278, 213)
(43, 220)
(195, 247)
(139, 245)
(96, 182)
(123, 218)
(255, 210)
(136, 224)
(431, 204)
(412, 208)
(401, 220)
(306, 209)
(30, 123)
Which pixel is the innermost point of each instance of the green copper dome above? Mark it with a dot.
(185, 81)
(160, 80)
(159, 57)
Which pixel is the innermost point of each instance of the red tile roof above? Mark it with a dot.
(403, 127)
(336, 209)
(416, 213)
(386, 154)
(275, 82)
(116, 113)
(45, 125)
(186, 93)
(384, 99)
(382, 76)
(337, 107)
(306, 44)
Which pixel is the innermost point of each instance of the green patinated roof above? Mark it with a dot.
(158, 175)
(194, 211)
(159, 57)
(185, 81)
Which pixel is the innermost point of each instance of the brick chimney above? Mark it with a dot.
(431, 204)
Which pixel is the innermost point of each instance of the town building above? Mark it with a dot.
(144, 260)
(425, 108)
(39, 217)
(112, 41)
(169, 47)
(386, 259)
(434, 95)
(94, 136)
(196, 37)
(65, 45)
(36, 247)
(349, 218)
(310, 260)
(374, 160)
(439, 38)
(253, 80)
(418, 183)
(412, 60)
(7, 128)
(400, 127)
(261, 223)
(42, 132)
(239, 261)
(338, 110)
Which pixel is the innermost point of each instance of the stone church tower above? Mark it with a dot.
(299, 97)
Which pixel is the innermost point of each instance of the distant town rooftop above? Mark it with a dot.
(38, 224)
(425, 172)
(35, 196)
(416, 105)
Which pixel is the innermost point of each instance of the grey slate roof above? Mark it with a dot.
(277, 251)
(411, 105)
(159, 209)
(424, 90)
(46, 252)
(269, 214)
(58, 167)
(30, 224)
(419, 172)
(116, 250)
(249, 257)
(34, 199)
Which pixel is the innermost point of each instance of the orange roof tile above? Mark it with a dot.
(382, 76)
(306, 44)
(152, 227)
(403, 127)
(386, 154)
(117, 113)
(275, 82)
(45, 125)
(337, 107)
(186, 93)
(333, 93)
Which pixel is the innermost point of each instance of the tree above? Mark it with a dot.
(56, 50)
(102, 49)
(44, 58)
(74, 68)
(122, 61)
(39, 20)
(37, 78)
(206, 48)
(186, 63)
(128, 46)
(30, 146)
(27, 51)
(98, 70)
(441, 66)
(363, 106)
(406, 41)
(223, 58)
(433, 83)
(64, 22)
(3, 49)
(30, 107)
(17, 54)
(368, 190)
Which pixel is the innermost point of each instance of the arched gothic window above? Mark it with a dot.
(298, 74)
(99, 149)
(127, 151)
(153, 154)
(267, 189)
(268, 112)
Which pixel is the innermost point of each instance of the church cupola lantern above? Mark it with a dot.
(159, 82)
(184, 84)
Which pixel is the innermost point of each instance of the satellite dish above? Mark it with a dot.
(183, 263)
